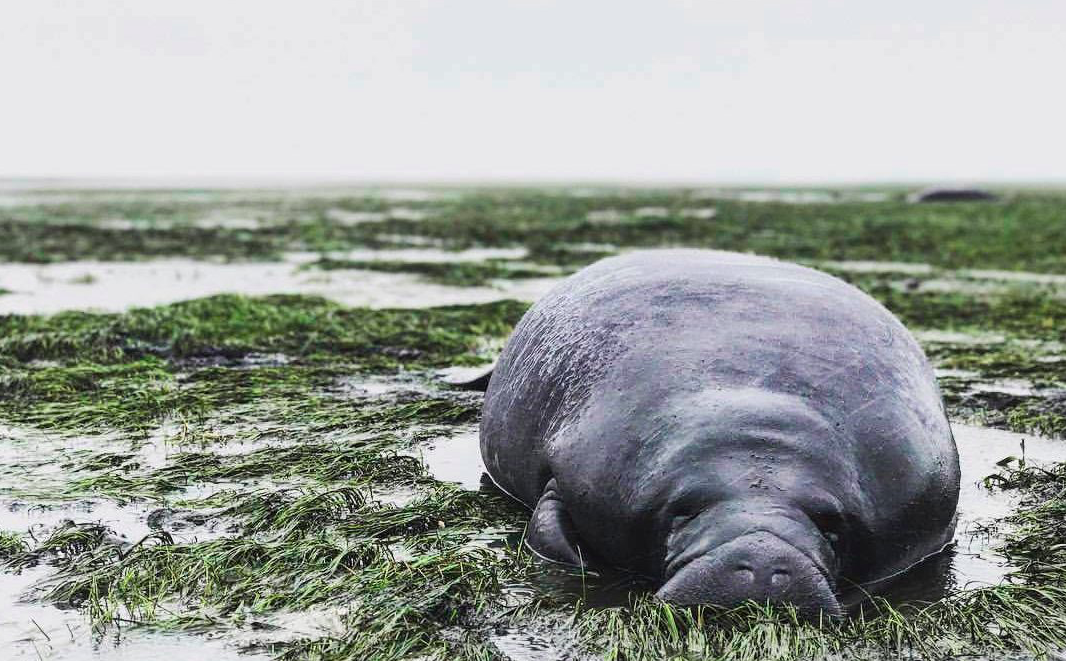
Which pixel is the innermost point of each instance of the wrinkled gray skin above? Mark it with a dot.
(733, 426)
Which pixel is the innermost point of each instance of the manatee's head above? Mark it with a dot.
(745, 494)
(761, 505)
(753, 549)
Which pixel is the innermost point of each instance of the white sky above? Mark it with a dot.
(746, 90)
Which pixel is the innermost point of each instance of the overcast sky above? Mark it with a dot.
(747, 90)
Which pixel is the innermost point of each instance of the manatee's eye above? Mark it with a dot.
(831, 524)
(686, 506)
(681, 516)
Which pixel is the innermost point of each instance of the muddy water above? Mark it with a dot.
(973, 562)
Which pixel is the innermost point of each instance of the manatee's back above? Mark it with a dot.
(693, 320)
(557, 352)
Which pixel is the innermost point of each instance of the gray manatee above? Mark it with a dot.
(732, 426)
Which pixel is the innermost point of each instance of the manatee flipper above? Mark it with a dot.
(551, 533)
(479, 382)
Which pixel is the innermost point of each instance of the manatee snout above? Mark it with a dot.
(757, 566)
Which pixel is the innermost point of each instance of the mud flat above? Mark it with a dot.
(248, 448)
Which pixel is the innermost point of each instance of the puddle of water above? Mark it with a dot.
(794, 196)
(589, 246)
(949, 373)
(406, 213)
(290, 626)
(957, 337)
(1017, 387)
(526, 646)
(858, 266)
(605, 216)
(975, 562)
(526, 289)
(950, 286)
(699, 213)
(34, 630)
(1015, 276)
(119, 286)
(652, 212)
(348, 217)
(396, 496)
(791, 197)
(32, 499)
(434, 255)
(236, 219)
(32, 192)
(614, 216)
(455, 458)
(30, 459)
(415, 194)
(409, 240)
(359, 388)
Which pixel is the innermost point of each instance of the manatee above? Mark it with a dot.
(731, 426)
(953, 195)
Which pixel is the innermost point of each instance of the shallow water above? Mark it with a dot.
(855, 266)
(1016, 276)
(32, 630)
(455, 458)
(119, 286)
(348, 217)
(31, 503)
(958, 337)
(795, 196)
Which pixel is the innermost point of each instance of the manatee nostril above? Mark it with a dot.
(744, 574)
(780, 578)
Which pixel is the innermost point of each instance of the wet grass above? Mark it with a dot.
(1039, 523)
(986, 622)
(318, 534)
(436, 573)
(12, 545)
(78, 371)
(980, 235)
(230, 326)
(271, 484)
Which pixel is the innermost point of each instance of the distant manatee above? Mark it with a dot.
(953, 195)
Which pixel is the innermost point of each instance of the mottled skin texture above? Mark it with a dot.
(733, 426)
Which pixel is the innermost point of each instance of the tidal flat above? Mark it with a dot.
(271, 466)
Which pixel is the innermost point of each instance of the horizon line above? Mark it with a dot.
(178, 181)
